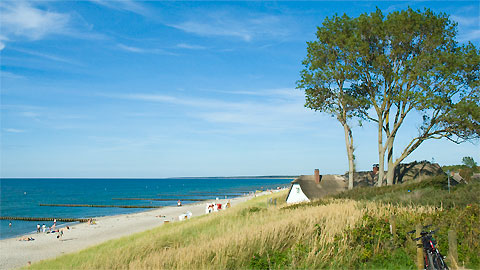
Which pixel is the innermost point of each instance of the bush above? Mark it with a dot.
(270, 260)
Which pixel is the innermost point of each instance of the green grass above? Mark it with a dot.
(456, 168)
(433, 192)
(348, 231)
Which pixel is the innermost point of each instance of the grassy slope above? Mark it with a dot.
(349, 231)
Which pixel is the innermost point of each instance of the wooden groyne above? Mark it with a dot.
(46, 219)
(154, 199)
(200, 195)
(93, 205)
(226, 192)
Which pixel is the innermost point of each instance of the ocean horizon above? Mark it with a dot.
(20, 197)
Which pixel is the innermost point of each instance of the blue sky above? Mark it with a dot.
(161, 89)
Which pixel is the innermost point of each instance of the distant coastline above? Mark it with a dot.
(182, 177)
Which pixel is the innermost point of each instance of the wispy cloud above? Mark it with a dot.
(30, 114)
(22, 19)
(278, 109)
(13, 130)
(468, 27)
(143, 50)
(190, 47)
(466, 21)
(277, 93)
(10, 75)
(469, 35)
(227, 24)
(124, 5)
(47, 56)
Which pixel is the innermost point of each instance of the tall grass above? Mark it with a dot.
(252, 235)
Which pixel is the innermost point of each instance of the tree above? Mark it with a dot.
(384, 68)
(410, 61)
(469, 162)
(329, 70)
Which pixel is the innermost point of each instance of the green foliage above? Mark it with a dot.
(250, 210)
(370, 237)
(396, 259)
(285, 243)
(377, 248)
(306, 204)
(431, 191)
(457, 168)
(466, 174)
(466, 222)
(403, 62)
(270, 260)
(469, 162)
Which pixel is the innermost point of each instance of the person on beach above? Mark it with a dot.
(44, 228)
(60, 233)
(26, 238)
(38, 228)
(179, 203)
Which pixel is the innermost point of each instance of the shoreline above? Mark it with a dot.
(15, 253)
(142, 210)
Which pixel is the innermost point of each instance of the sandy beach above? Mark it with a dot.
(15, 253)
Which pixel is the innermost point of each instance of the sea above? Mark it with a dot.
(21, 197)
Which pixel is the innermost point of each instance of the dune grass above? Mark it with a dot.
(337, 233)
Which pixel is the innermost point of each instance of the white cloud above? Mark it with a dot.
(150, 97)
(13, 130)
(130, 48)
(190, 47)
(47, 56)
(125, 5)
(469, 35)
(227, 24)
(30, 114)
(143, 50)
(465, 21)
(205, 29)
(22, 19)
(10, 75)
(278, 93)
(278, 109)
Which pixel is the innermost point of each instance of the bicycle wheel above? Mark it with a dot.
(429, 261)
(438, 262)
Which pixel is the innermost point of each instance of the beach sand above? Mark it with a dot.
(15, 254)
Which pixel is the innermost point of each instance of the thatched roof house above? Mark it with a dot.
(306, 188)
(404, 172)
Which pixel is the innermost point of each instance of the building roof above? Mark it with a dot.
(329, 184)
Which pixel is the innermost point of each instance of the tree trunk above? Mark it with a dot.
(381, 155)
(349, 146)
(391, 167)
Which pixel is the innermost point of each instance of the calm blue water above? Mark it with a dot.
(21, 197)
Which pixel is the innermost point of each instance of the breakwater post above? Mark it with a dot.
(154, 199)
(93, 205)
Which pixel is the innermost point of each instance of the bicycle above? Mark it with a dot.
(432, 258)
